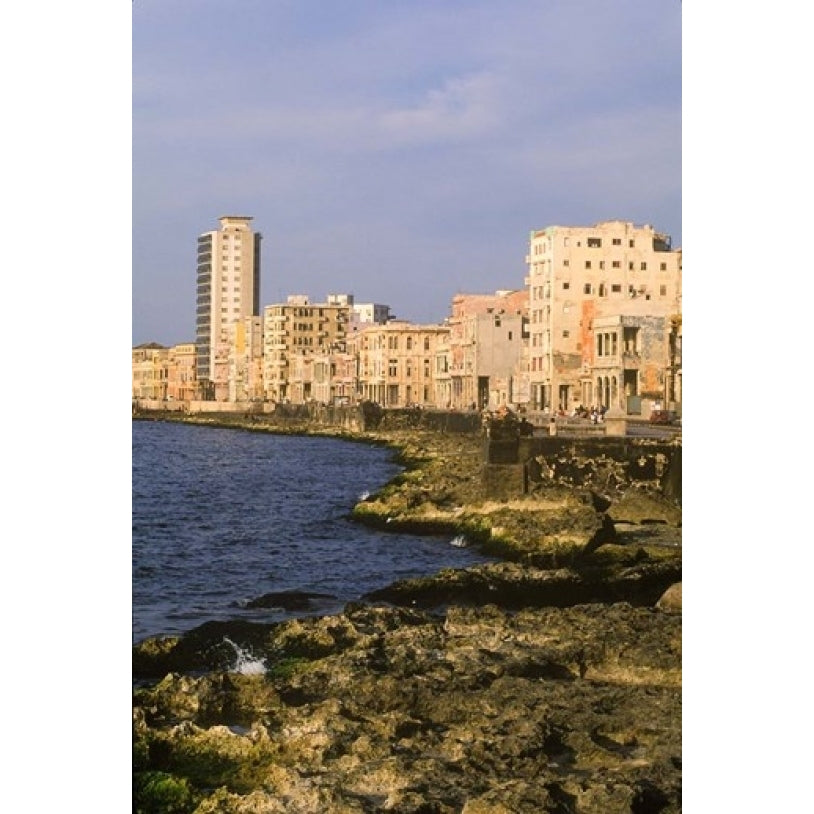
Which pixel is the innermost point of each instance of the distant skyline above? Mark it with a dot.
(401, 153)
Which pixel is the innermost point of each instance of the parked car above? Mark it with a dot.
(664, 417)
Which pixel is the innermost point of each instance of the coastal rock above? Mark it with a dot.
(512, 585)
(547, 682)
(481, 710)
(639, 506)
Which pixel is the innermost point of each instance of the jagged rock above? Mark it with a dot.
(639, 506)
(480, 710)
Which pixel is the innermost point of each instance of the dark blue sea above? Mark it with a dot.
(222, 517)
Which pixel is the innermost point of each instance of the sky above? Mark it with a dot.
(397, 151)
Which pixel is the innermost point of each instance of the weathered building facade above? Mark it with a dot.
(181, 382)
(395, 363)
(293, 333)
(578, 275)
(245, 373)
(487, 349)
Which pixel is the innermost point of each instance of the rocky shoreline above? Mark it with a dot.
(549, 681)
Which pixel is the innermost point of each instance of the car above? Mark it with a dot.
(664, 417)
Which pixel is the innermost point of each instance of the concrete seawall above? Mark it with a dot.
(602, 463)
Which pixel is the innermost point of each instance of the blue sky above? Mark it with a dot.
(398, 151)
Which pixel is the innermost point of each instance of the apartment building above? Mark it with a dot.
(228, 290)
(293, 333)
(149, 371)
(396, 362)
(181, 382)
(487, 364)
(578, 275)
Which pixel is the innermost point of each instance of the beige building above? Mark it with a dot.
(181, 383)
(228, 290)
(150, 374)
(293, 333)
(487, 349)
(396, 362)
(578, 275)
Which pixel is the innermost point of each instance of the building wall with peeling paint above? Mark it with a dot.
(578, 274)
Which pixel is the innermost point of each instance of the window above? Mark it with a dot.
(663, 267)
(409, 343)
(616, 264)
(426, 343)
(617, 241)
(566, 262)
(601, 264)
(662, 290)
(566, 334)
(594, 243)
(616, 288)
(632, 243)
(566, 286)
(392, 367)
(510, 336)
(587, 288)
(603, 291)
(630, 265)
(587, 264)
(644, 266)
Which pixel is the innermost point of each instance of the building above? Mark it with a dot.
(246, 360)
(396, 363)
(487, 349)
(228, 290)
(628, 370)
(578, 275)
(149, 370)
(181, 384)
(293, 333)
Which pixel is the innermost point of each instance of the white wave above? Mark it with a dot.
(245, 662)
(459, 542)
(364, 495)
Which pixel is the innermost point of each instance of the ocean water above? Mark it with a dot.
(222, 517)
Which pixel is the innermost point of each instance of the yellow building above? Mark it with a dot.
(245, 374)
(577, 275)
